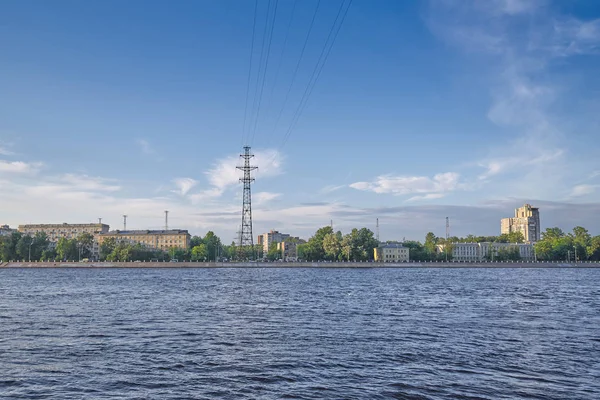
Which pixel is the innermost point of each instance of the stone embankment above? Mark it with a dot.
(299, 265)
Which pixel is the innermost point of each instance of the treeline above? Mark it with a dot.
(18, 246)
(327, 245)
(577, 245)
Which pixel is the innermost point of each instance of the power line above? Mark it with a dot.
(259, 73)
(285, 40)
(264, 77)
(318, 69)
(249, 72)
(287, 95)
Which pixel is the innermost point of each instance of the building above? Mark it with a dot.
(289, 249)
(392, 252)
(158, 239)
(266, 239)
(68, 231)
(474, 252)
(526, 221)
(6, 231)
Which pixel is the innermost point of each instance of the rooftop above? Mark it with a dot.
(148, 232)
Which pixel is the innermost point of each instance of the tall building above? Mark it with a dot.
(160, 239)
(266, 239)
(289, 249)
(526, 221)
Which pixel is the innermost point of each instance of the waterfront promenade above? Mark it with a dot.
(522, 264)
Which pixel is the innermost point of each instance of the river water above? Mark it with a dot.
(300, 333)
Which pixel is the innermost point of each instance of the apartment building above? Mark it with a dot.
(487, 251)
(156, 239)
(526, 221)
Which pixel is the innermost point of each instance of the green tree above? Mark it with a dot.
(313, 249)
(23, 247)
(199, 252)
(85, 244)
(8, 252)
(41, 244)
(67, 249)
(107, 247)
(273, 254)
(332, 245)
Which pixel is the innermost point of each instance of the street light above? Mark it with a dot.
(30, 244)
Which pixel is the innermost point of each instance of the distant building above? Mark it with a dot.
(526, 221)
(156, 239)
(487, 250)
(68, 231)
(6, 231)
(392, 252)
(266, 239)
(289, 249)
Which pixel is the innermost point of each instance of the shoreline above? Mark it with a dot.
(98, 265)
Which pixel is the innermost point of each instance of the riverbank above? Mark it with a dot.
(299, 265)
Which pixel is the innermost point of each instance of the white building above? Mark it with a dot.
(487, 250)
(6, 231)
(392, 252)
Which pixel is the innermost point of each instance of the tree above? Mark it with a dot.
(67, 249)
(199, 252)
(313, 249)
(24, 246)
(332, 245)
(195, 241)
(41, 246)
(8, 251)
(107, 247)
(85, 244)
(273, 254)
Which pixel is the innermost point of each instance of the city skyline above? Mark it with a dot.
(423, 111)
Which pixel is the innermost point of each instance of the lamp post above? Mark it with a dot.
(30, 244)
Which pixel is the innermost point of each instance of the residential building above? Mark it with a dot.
(486, 251)
(266, 239)
(6, 231)
(68, 231)
(289, 249)
(156, 239)
(392, 252)
(526, 221)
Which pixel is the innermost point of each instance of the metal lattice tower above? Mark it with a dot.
(447, 228)
(124, 222)
(246, 238)
(377, 226)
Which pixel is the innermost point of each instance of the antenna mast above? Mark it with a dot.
(166, 220)
(377, 227)
(124, 222)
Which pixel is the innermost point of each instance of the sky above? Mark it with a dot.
(406, 112)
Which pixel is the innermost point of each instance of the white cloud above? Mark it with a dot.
(331, 189)
(583, 190)
(5, 152)
(224, 172)
(402, 185)
(145, 147)
(184, 185)
(430, 196)
(261, 198)
(85, 182)
(19, 167)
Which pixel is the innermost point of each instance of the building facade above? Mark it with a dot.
(392, 252)
(289, 250)
(526, 221)
(474, 252)
(6, 231)
(54, 232)
(155, 239)
(266, 239)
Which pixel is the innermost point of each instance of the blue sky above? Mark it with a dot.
(423, 110)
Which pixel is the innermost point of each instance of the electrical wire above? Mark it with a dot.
(249, 72)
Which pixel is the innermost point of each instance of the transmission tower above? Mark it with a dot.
(377, 226)
(246, 238)
(447, 228)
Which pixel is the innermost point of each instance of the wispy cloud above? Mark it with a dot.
(5, 152)
(19, 167)
(261, 198)
(145, 146)
(583, 190)
(331, 189)
(403, 185)
(184, 185)
(85, 182)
